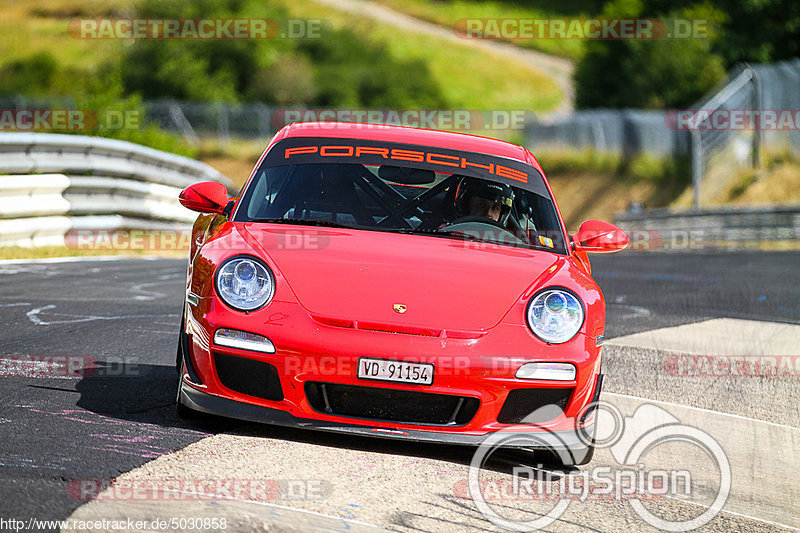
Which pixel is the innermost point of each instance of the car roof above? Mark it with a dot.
(408, 135)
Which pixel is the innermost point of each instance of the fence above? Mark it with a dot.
(626, 132)
(720, 148)
(707, 131)
(717, 153)
(664, 229)
(58, 183)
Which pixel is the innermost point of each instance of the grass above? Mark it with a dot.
(47, 252)
(31, 26)
(236, 159)
(589, 184)
(727, 183)
(559, 161)
(468, 78)
(777, 182)
(447, 13)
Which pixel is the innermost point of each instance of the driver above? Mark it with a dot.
(477, 197)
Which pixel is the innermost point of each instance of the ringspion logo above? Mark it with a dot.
(630, 440)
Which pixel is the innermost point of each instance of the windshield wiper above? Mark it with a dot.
(455, 233)
(472, 237)
(303, 222)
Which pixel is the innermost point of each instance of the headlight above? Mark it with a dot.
(245, 283)
(555, 315)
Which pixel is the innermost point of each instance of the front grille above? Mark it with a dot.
(393, 405)
(248, 376)
(522, 405)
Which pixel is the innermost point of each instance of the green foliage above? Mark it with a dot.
(646, 167)
(677, 72)
(760, 30)
(569, 160)
(106, 111)
(288, 81)
(339, 69)
(103, 96)
(207, 70)
(670, 172)
(34, 75)
(654, 74)
(350, 73)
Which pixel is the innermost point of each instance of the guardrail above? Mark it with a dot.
(730, 227)
(60, 183)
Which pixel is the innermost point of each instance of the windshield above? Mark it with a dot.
(306, 181)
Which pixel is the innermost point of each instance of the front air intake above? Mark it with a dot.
(393, 405)
(533, 406)
(248, 376)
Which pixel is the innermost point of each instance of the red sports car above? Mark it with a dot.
(394, 282)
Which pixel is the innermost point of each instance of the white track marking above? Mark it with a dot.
(636, 311)
(76, 259)
(33, 316)
(761, 455)
(734, 513)
(148, 294)
(710, 411)
(756, 450)
(719, 336)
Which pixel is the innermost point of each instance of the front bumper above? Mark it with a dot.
(303, 345)
(216, 405)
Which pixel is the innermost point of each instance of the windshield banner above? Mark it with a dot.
(307, 150)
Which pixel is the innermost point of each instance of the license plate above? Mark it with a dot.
(397, 371)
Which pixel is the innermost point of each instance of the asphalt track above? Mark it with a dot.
(122, 315)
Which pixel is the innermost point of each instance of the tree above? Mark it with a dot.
(658, 73)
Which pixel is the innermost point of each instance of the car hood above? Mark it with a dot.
(359, 275)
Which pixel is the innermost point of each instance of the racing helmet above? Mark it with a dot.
(490, 190)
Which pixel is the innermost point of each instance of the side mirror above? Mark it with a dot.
(599, 236)
(205, 197)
